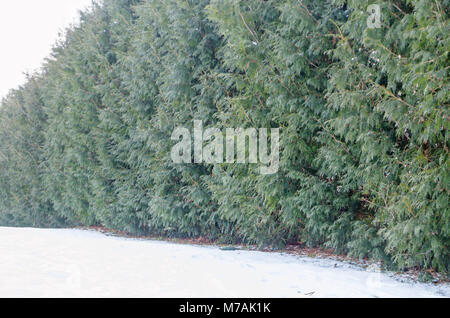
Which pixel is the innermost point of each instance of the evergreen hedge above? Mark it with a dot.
(363, 112)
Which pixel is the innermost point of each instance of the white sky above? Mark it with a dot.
(28, 30)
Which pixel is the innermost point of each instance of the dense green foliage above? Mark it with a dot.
(364, 115)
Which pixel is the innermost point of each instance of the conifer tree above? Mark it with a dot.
(392, 114)
(363, 114)
(23, 200)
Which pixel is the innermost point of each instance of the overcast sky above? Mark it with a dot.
(28, 30)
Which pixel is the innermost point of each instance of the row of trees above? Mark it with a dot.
(363, 114)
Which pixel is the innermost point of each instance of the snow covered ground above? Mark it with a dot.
(76, 263)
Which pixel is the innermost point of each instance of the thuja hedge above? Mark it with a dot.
(363, 112)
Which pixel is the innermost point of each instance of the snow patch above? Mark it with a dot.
(78, 263)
